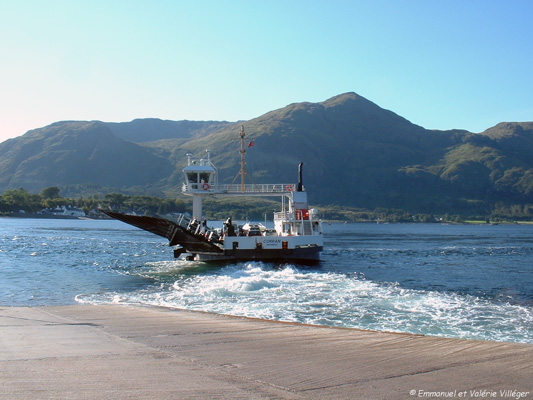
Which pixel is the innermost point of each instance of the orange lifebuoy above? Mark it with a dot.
(206, 186)
(290, 188)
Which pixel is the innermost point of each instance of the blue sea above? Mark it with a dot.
(458, 281)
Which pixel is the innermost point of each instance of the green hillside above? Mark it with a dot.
(71, 153)
(355, 154)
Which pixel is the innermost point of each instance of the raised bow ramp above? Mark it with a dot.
(175, 232)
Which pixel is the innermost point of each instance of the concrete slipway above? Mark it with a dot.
(125, 352)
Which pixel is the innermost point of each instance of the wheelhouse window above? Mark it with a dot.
(192, 177)
(204, 177)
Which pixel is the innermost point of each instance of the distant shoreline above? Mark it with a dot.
(46, 216)
(326, 222)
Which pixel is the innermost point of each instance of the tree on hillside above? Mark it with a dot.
(50, 193)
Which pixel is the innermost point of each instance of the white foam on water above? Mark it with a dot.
(345, 300)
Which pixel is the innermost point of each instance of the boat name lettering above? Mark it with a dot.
(271, 241)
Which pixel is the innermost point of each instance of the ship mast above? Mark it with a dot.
(242, 172)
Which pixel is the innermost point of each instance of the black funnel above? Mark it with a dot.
(300, 184)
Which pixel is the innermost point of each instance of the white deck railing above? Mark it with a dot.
(277, 189)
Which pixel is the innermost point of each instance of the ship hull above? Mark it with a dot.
(303, 255)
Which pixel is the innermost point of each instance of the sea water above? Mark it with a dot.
(460, 281)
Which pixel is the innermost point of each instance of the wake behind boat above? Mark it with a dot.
(296, 237)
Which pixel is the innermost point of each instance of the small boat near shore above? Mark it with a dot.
(296, 236)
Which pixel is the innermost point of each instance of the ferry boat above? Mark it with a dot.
(296, 236)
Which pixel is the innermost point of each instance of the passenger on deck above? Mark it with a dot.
(229, 228)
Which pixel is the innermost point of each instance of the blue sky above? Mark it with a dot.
(445, 64)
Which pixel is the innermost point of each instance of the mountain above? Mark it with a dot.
(358, 154)
(355, 153)
(72, 153)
